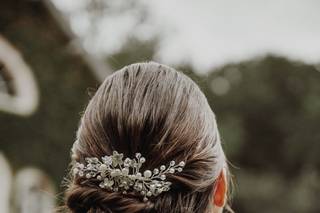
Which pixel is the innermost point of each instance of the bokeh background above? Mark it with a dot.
(258, 62)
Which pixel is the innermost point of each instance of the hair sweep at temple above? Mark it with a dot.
(152, 109)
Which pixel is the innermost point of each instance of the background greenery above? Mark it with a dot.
(268, 112)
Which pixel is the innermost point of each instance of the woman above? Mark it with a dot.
(147, 142)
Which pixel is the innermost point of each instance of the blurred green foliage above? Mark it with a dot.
(269, 121)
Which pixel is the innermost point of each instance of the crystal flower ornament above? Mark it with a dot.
(116, 174)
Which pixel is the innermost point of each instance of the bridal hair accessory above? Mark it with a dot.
(116, 174)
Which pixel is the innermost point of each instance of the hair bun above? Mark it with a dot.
(83, 199)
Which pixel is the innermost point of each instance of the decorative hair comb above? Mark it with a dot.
(116, 174)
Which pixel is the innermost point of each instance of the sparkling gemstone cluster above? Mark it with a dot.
(116, 174)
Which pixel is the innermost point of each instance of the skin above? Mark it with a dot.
(220, 195)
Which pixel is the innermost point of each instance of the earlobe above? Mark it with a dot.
(220, 192)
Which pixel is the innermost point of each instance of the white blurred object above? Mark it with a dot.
(33, 192)
(25, 99)
(5, 184)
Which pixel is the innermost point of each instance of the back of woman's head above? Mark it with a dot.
(151, 109)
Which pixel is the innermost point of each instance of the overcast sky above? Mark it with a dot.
(205, 33)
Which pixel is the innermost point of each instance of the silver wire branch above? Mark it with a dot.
(116, 174)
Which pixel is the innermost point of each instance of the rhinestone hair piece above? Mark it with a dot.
(116, 174)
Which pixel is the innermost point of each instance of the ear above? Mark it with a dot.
(220, 192)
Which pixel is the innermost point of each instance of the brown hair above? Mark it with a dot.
(152, 109)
